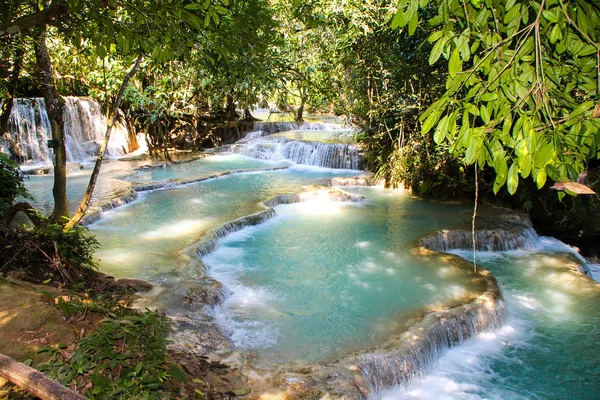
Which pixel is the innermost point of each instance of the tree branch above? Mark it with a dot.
(28, 210)
(85, 203)
(44, 17)
(35, 382)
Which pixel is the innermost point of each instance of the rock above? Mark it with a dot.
(130, 284)
(210, 293)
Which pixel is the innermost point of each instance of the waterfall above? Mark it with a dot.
(499, 230)
(328, 155)
(276, 127)
(29, 128)
(418, 351)
(487, 240)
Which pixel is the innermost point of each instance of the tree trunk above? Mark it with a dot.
(55, 106)
(7, 105)
(230, 108)
(85, 203)
(149, 144)
(25, 208)
(300, 112)
(34, 382)
(165, 139)
(248, 115)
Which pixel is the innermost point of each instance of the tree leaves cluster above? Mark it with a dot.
(521, 94)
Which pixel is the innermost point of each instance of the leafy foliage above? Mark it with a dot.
(124, 358)
(49, 254)
(11, 183)
(522, 86)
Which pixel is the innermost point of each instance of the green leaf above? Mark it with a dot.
(431, 121)
(455, 64)
(397, 18)
(414, 22)
(193, 7)
(485, 114)
(472, 109)
(550, 15)
(489, 97)
(583, 107)
(555, 34)
(553, 172)
(221, 10)
(436, 52)
(199, 394)
(434, 36)
(540, 178)
(512, 181)
(471, 151)
(543, 155)
(441, 130)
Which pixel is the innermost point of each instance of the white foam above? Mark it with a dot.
(466, 371)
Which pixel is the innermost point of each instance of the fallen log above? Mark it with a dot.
(35, 382)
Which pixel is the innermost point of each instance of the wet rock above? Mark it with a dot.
(498, 229)
(38, 171)
(354, 181)
(130, 284)
(210, 293)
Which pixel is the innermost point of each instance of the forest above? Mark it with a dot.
(205, 116)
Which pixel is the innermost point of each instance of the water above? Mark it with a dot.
(203, 167)
(85, 126)
(548, 348)
(327, 155)
(107, 186)
(324, 279)
(341, 136)
(117, 178)
(145, 239)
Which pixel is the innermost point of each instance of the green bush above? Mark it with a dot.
(48, 254)
(11, 183)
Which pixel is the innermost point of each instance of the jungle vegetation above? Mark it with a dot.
(442, 89)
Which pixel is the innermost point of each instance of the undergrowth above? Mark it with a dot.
(123, 358)
(48, 254)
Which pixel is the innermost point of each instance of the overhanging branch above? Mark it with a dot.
(25, 23)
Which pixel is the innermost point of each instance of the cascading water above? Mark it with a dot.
(29, 128)
(276, 127)
(308, 152)
(502, 232)
(85, 126)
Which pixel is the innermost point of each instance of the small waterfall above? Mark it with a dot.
(30, 128)
(499, 229)
(85, 126)
(486, 240)
(276, 127)
(403, 367)
(328, 155)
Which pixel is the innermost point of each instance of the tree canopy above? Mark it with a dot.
(522, 88)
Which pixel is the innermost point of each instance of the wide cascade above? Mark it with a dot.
(317, 144)
(85, 126)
